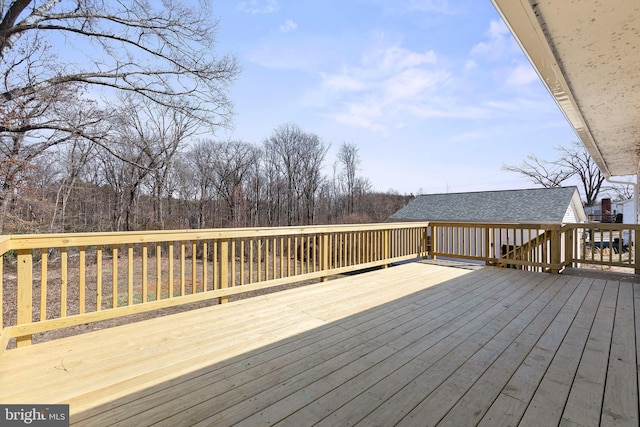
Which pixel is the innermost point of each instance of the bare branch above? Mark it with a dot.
(547, 174)
(578, 159)
(163, 54)
(573, 161)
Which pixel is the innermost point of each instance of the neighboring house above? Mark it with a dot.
(559, 205)
(624, 207)
(623, 210)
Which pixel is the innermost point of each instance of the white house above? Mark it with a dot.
(560, 205)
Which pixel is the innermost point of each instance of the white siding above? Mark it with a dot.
(569, 216)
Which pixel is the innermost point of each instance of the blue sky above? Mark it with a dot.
(436, 94)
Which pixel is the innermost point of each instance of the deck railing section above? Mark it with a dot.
(603, 244)
(538, 247)
(526, 246)
(69, 279)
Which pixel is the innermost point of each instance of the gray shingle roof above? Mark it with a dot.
(532, 205)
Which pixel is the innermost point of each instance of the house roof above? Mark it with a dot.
(548, 205)
(586, 53)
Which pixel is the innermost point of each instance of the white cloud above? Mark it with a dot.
(286, 56)
(412, 83)
(368, 115)
(470, 65)
(288, 26)
(387, 84)
(256, 7)
(342, 83)
(398, 58)
(499, 45)
(384, 88)
(522, 75)
(448, 109)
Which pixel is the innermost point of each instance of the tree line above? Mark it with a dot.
(151, 176)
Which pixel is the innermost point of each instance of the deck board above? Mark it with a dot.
(620, 404)
(584, 403)
(415, 344)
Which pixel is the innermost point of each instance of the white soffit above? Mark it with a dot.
(587, 52)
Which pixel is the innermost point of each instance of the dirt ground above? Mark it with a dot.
(53, 293)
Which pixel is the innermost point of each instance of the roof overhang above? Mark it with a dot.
(587, 53)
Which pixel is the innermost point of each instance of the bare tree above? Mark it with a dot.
(622, 191)
(294, 160)
(225, 167)
(284, 159)
(144, 140)
(257, 189)
(55, 56)
(233, 164)
(578, 159)
(349, 161)
(194, 188)
(314, 152)
(573, 161)
(37, 124)
(163, 132)
(73, 159)
(545, 173)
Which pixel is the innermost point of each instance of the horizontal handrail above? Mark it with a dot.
(36, 241)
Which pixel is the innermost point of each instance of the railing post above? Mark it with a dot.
(425, 243)
(25, 293)
(386, 246)
(434, 241)
(556, 251)
(636, 251)
(491, 253)
(569, 245)
(324, 258)
(223, 251)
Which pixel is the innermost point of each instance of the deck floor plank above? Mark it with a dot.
(403, 389)
(258, 392)
(584, 403)
(333, 392)
(432, 410)
(548, 402)
(620, 404)
(415, 344)
(300, 350)
(479, 397)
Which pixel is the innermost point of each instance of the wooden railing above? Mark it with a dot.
(56, 281)
(538, 247)
(69, 279)
(603, 244)
(529, 246)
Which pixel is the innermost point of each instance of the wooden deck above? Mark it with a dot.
(415, 344)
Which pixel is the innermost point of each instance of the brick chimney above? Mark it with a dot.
(605, 210)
